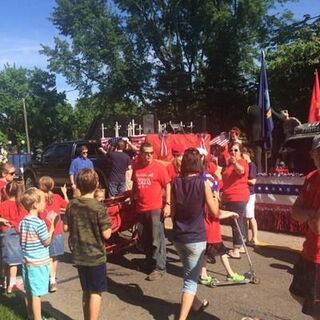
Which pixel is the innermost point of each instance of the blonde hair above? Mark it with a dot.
(46, 184)
(30, 197)
(99, 193)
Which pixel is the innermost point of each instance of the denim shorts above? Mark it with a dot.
(56, 247)
(191, 255)
(11, 248)
(93, 278)
(36, 279)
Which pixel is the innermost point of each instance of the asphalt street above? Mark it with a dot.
(131, 297)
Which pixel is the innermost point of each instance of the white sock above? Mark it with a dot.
(52, 279)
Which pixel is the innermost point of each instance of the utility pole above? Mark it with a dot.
(26, 124)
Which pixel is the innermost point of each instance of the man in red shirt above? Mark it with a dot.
(306, 281)
(149, 179)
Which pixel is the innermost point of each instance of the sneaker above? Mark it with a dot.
(53, 287)
(155, 275)
(236, 277)
(205, 281)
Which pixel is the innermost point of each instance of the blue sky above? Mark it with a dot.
(24, 25)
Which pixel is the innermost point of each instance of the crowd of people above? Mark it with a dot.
(197, 189)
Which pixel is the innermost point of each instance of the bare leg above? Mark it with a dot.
(187, 300)
(226, 264)
(28, 301)
(53, 269)
(254, 227)
(85, 304)
(13, 275)
(36, 307)
(204, 273)
(248, 231)
(94, 306)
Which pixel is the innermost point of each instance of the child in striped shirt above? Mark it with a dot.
(35, 240)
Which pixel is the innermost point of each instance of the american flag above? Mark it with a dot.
(222, 139)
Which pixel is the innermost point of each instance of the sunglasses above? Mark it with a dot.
(148, 153)
(84, 152)
(234, 150)
(12, 173)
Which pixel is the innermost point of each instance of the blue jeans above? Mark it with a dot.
(151, 234)
(191, 255)
(116, 188)
(240, 208)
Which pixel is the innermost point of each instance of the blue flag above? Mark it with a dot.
(264, 104)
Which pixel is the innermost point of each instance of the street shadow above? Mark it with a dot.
(132, 294)
(282, 267)
(66, 258)
(278, 254)
(57, 314)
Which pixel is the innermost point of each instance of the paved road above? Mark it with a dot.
(131, 297)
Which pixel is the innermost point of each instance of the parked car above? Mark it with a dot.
(55, 161)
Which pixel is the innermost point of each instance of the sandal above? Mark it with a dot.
(232, 256)
(204, 305)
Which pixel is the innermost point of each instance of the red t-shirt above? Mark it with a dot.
(311, 194)
(11, 211)
(172, 171)
(57, 204)
(235, 186)
(212, 228)
(212, 168)
(149, 182)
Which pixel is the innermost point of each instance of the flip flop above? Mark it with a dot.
(204, 305)
(230, 255)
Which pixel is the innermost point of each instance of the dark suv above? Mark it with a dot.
(295, 151)
(55, 161)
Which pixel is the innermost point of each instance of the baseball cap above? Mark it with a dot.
(316, 142)
(178, 149)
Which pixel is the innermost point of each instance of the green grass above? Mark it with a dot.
(12, 307)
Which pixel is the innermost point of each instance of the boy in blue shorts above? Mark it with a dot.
(35, 240)
(89, 225)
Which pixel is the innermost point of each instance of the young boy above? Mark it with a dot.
(35, 240)
(89, 225)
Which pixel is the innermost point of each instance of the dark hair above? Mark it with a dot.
(82, 148)
(236, 129)
(235, 143)
(146, 144)
(191, 162)
(5, 169)
(249, 151)
(87, 181)
(121, 145)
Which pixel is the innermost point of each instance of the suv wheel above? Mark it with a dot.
(29, 181)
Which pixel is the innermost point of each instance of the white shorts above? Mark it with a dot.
(250, 206)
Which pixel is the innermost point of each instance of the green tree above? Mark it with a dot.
(49, 116)
(179, 58)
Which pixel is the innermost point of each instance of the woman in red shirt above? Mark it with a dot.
(235, 193)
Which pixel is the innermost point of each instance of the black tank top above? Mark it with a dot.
(188, 221)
